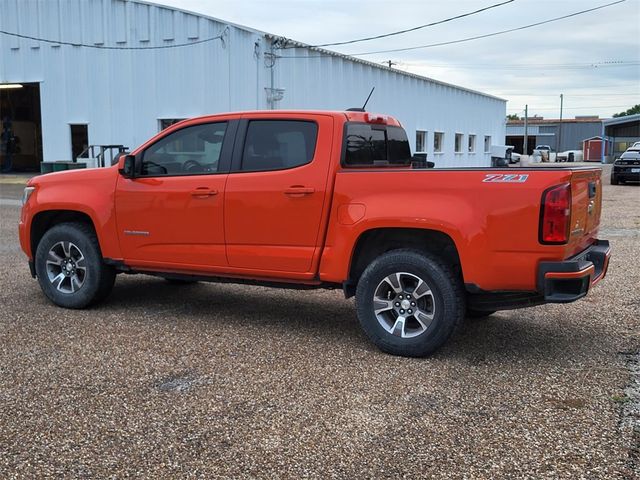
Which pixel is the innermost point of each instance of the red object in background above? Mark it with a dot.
(592, 149)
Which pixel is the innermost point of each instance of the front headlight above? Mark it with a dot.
(26, 194)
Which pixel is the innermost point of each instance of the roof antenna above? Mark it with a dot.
(363, 106)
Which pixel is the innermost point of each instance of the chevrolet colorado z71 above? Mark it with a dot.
(320, 200)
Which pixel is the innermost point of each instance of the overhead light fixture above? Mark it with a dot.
(7, 86)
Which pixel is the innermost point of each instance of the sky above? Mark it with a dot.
(592, 59)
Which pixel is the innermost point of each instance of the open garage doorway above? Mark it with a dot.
(20, 127)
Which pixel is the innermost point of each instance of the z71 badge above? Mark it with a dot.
(506, 178)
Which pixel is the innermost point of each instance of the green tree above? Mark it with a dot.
(632, 111)
(513, 116)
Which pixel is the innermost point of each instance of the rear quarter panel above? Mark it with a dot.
(494, 225)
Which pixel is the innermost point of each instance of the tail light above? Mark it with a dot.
(555, 215)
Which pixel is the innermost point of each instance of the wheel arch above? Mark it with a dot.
(46, 219)
(377, 241)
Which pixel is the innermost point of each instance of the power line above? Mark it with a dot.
(568, 95)
(579, 108)
(106, 47)
(525, 66)
(413, 29)
(477, 37)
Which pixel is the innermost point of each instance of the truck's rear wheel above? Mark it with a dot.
(409, 303)
(69, 266)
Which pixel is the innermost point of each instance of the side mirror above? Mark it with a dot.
(128, 169)
(431, 164)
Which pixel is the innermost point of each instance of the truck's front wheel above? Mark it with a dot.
(69, 266)
(409, 303)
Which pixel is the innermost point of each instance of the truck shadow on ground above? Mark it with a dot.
(511, 336)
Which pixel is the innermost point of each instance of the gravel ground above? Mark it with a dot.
(224, 381)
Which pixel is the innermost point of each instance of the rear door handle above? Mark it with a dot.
(203, 192)
(299, 190)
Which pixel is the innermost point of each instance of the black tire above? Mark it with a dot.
(471, 313)
(97, 279)
(614, 180)
(446, 302)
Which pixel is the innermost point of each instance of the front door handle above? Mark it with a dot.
(299, 190)
(203, 192)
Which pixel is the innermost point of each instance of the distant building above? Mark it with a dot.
(106, 72)
(567, 134)
(621, 132)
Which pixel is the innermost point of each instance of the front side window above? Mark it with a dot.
(376, 145)
(278, 144)
(188, 151)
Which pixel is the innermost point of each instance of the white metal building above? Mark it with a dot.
(78, 72)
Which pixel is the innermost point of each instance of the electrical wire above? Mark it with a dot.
(107, 47)
(557, 66)
(477, 37)
(413, 29)
(568, 95)
(578, 108)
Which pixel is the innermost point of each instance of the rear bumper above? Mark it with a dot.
(570, 280)
(625, 173)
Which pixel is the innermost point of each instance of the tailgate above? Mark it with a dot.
(586, 203)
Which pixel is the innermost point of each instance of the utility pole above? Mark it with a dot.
(390, 63)
(525, 147)
(559, 146)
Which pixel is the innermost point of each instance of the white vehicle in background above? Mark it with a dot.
(570, 156)
(544, 153)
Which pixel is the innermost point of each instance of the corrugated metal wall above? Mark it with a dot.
(122, 93)
(573, 133)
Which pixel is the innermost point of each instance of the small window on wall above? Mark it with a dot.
(487, 144)
(421, 141)
(472, 144)
(438, 142)
(79, 141)
(167, 122)
(459, 140)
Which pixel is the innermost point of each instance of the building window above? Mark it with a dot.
(487, 144)
(438, 141)
(79, 141)
(167, 122)
(421, 141)
(459, 140)
(472, 143)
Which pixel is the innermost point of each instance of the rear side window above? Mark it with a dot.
(278, 144)
(376, 145)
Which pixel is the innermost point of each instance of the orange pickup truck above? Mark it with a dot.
(302, 199)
